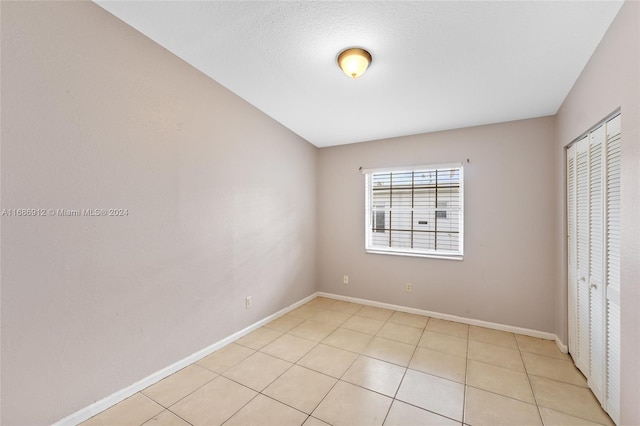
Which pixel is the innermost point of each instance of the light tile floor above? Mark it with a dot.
(337, 363)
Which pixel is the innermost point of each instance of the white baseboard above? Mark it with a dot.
(116, 397)
(563, 348)
(470, 321)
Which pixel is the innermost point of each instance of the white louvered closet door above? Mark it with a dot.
(572, 295)
(582, 352)
(612, 247)
(593, 224)
(596, 264)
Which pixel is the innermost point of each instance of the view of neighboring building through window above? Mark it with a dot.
(416, 211)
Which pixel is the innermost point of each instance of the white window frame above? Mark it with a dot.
(404, 251)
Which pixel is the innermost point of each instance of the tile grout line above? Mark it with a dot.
(466, 377)
(283, 403)
(180, 417)
(238, 410)
(394, 399)
(434, 375)
(370, 341)
(361, 354)
(529, 375)
(337, 380)
(416, 346)
(190, 393)
(234, 413)
(526, 371)
(269, 384)
(153, 401)
(218, 375)
(317, 343)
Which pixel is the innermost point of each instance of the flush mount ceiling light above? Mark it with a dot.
(354, 62)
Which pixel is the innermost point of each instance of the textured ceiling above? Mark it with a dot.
(436, 65)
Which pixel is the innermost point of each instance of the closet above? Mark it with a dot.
(593, 222)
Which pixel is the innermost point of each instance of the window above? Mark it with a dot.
(378, 219)
(415, 211)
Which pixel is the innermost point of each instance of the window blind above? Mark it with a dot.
(415, 211)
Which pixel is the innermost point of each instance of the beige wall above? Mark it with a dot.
(507, 275)
(611, 80)
(221, 204)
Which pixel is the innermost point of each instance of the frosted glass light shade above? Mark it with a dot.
(354, 62)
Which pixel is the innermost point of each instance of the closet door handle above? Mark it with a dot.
(582, 279)
(594, 285)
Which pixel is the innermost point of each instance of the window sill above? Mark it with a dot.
(408, 254)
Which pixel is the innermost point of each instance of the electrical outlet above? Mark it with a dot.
(408, 287)
(345, 279)
(248, 302)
